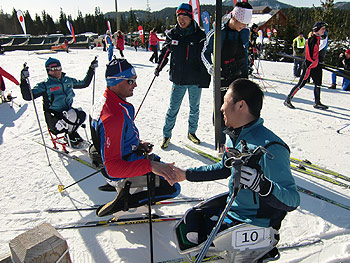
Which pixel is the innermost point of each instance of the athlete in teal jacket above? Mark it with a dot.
(57, 92)
(267, 192)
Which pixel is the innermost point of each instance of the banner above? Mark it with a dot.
(71, 29)
(196, 12)
(261, 36)
(141, 33)
(205, 20)
(109, 27)
(21, 21)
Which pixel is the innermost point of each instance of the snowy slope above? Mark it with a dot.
(28, 183)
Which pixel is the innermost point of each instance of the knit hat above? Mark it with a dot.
(318, 26)
(348, 51)
(51, 63)
(243, 15)
(118, 70)
(184, 9)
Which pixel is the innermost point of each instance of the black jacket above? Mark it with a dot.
(185, 47)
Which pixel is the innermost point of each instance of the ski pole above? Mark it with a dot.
(237, 176)
(338, 131)
(150, 183)
(37, 116)
(164, 61)
(145, 96)
(93, 85)
(62, 188)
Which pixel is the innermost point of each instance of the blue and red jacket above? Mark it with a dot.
(113, 121)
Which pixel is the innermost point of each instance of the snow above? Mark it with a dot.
(28, 183)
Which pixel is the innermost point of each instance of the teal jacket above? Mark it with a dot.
(57, 94)
(249, 206)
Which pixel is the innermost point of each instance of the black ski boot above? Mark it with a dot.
(318, 105)
(288, 103)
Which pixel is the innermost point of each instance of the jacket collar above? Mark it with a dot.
(111, 95)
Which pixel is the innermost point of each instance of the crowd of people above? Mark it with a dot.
(268, 189)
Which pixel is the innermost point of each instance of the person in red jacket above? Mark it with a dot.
(7, 75)
(120, 42)
(153, 41)
(311, 67)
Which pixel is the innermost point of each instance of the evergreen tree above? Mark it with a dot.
(62, 23)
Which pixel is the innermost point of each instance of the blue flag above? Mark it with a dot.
(205, 20)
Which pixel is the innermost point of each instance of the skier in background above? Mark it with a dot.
(298, 51)
(109, 44)
(311, 67)
(253, 49)
(7, 75)
(57, 92)
(153, 42)
(344, 62)
(120, 42)
(234, 52)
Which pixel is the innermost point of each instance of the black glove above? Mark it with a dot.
(156, 72)
(25, 73)
(255, 180)
(94, 64)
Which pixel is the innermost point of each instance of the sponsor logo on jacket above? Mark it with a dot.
(55, 88)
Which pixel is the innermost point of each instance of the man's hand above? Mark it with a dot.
(25, 73)
(94, 64)
(146, 146)
(166, 170)
(180, 174)
(255, 180)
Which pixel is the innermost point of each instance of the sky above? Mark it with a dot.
(88, 7)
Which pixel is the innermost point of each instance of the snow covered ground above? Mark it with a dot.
(28, 183)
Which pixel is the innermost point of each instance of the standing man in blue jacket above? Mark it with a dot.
(234, 51)
(184, 42)
(57, 92)
(269, 191)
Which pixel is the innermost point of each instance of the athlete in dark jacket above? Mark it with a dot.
(311, 68)
(187, 72)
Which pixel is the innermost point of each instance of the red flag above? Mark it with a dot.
(196, 12)
(141, 32)
(274, 32)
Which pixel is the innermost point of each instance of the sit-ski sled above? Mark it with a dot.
(240, 243)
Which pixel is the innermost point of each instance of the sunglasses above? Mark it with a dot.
(130, 81)
(55, 68)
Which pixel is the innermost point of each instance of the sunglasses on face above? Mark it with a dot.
(131, 81)
(55, 68)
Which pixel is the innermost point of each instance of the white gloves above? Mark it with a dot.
(255, 181)
(211, 70)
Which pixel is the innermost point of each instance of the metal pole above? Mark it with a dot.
(116, 15)
(37, 117)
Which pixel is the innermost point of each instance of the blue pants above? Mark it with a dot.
(176, 97)
(110, 52)
(346, 82)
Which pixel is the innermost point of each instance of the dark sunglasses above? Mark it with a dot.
(131, 81)
(55, 68)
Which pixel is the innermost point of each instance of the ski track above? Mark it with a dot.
(30, 184)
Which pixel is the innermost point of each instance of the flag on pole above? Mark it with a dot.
(109, 27)
(71, 29)
(196, 12)
(21, 21)
(141, 33)
(205, 20)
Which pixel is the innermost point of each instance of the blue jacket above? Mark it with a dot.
(249, 206)
(57, 94)
(185, 46)
(229, 34)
